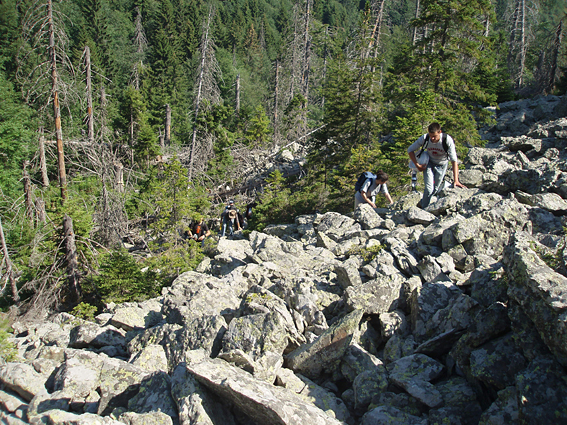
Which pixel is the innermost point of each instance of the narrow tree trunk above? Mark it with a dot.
(237, 99)
(556, 49)
(71, 259)
(9, 266)
(306, 64)
(376, 31)
(414, 35)
(40, 210)
(167, 140)
(276, 92)
(27, 192)
(56, 109)
(522, 42)
(42, 162)
(90, 118)
(119, 177)
(198, 94)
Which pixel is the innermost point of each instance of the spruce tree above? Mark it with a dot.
(442, 62)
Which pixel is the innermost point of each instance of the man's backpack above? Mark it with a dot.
(362, 178)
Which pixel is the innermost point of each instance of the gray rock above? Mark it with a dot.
(540, 291)
(22, 379)
(542, 392)
(377, 296)
(356, 360)
(95, 336)
(119, 381)
(130, 318)
(387, 415)
(61, 417)
(497, 362)
(367, 217)
(336, 226)
(347, 275)
(194, 295)
(262, 402)
(151, 358)
(149, 418)
(325, 353)
(195, 404)
(367, 385)
(154, 395)
(503, 411)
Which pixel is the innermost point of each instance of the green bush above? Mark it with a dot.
(121, 279)
(7, 349)
(84, 311)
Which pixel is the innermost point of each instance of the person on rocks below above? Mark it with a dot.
(441, 149)
(199, 231)
(371, 187)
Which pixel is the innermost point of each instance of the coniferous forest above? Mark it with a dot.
(121, 121)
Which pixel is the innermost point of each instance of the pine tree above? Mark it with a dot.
(442, 63)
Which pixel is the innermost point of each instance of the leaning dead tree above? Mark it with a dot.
(89, 86)
(71, 259)
(9, 274)
(206, 93)
(42, 49)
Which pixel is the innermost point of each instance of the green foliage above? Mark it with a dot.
(171, 261)
(120, 279)
(439, 71)
(8, 351)
(167, 195)
(281, 202)
(353, 106)
(258, 131)
(367, 254)
(16, 136)
(84, 311)
(145, 143)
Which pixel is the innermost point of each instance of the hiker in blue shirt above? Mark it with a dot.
(440, 148)
(369, 189)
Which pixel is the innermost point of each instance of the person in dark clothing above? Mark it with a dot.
(199, 231)
(230, 219)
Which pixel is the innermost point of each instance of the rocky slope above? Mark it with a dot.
(448, 315)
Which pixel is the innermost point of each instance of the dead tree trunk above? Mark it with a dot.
(414, 35)
(556, 49)
(199, 89)
(27, 192)
(276, 95)
(90, 118)
(10, 274)
(56, 108)
(167, 138)
(306, 64)
(71, 259)
(237, 100)
(42, 162)
(40, 210)
(119, 177)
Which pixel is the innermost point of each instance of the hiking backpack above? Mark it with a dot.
(362, 178)
(426, 142)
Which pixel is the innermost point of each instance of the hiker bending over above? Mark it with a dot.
(441, 149)
(199, 231)
(230, 219)
(368, 186)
